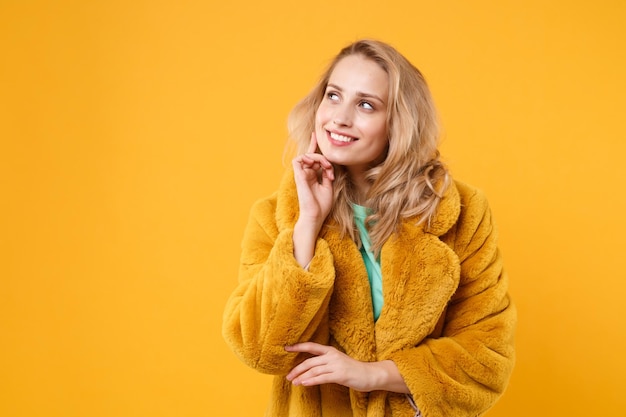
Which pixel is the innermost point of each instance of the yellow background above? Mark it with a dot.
(136, 135)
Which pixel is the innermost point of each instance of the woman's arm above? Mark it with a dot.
(276, 302)
(315, 199)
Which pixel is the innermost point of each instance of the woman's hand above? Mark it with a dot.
(328, 365)
(315, 192)
(314, 177)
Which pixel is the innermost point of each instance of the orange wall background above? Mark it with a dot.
(135, 135)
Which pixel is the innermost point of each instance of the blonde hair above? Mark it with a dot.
(410, 182)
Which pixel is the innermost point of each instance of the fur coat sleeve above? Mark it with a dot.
(447, 322)
(277, 303)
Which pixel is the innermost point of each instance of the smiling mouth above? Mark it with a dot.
(341, 138)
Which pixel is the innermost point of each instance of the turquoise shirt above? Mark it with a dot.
(372, 263)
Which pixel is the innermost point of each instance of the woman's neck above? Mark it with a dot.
(360, 185)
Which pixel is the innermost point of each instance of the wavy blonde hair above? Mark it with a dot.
(411, 180)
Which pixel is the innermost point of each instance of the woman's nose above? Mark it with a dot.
(342, 116)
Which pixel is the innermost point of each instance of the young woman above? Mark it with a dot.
(370, 283)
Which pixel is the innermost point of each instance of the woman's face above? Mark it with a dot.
(351, 121)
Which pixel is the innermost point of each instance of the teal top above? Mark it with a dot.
(372, 263)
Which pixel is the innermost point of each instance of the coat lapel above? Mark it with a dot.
(420, 275)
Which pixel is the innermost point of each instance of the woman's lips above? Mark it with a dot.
(340, 139)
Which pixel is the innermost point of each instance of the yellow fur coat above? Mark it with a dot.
(447, 320)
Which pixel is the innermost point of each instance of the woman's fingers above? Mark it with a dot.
(328, 365)
(312, 144)
(312, 348)
(309, 347)
(312, 366)
(316, 157)
(315, 162)
(312, 155)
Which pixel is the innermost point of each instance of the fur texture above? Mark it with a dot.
(447, 322)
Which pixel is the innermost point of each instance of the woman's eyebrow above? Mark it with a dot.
(358, 93)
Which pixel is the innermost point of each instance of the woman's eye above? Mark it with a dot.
(332, 96)
(367, 105)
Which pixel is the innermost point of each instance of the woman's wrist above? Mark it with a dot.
(386, 377)
(304, 238)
